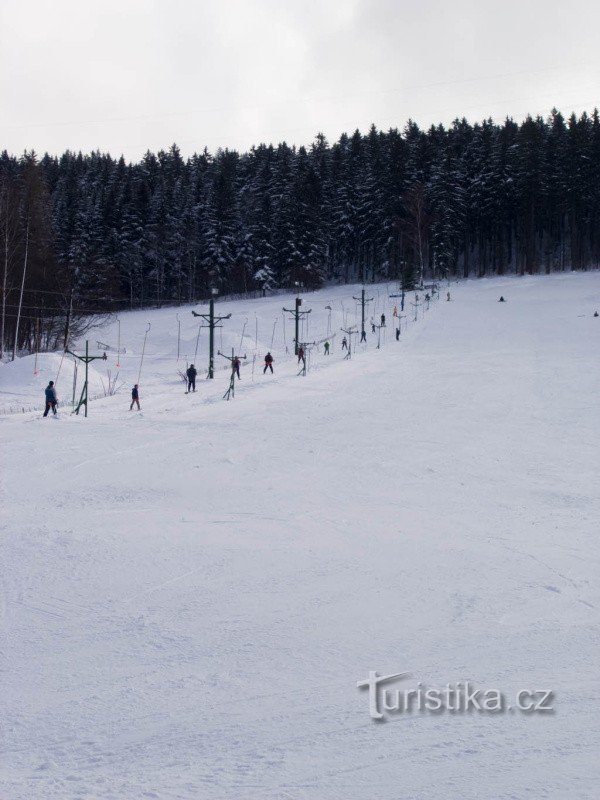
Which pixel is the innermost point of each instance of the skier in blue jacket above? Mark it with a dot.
(51, 398)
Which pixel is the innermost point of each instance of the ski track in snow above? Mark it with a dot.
(190, 593)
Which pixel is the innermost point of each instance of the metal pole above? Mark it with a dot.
(178, 335)
(211, 340)
(86, 375)
(143, 351)
(362, 317)
(118, 341)
(297, 315)
(197, 341)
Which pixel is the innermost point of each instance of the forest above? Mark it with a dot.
(85, 235)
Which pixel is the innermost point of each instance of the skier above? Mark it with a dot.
(363, 334)
(268, 363)
(135, 398)
(372, 327)
(448, 296)
(301, 355)
(191, 373)
(395, 314)
(235, 366)
(383, 320)
(326, 349)
(344, 343)
(397, 334)
(502, 300)
(51, 399)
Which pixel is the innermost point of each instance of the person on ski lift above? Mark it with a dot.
(235, 366)
(268, 363)
(135, 398)
(51, 399)
(344, 343)
(326, 349)
(191, 373)
(301, 355)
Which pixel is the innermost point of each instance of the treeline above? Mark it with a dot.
(83, 235)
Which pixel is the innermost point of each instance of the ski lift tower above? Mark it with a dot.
(83, 400)
(296, 313)
(213, 322)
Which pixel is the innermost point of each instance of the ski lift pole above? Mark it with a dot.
(197, 342)
(273, 334)
(243, 333)
(213, 322)
(297, 314)
(83, 400)
(118, 341)
(363, 302)
(349, 333)
(143, 351)
(178, 334)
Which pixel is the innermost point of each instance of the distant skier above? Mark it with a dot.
(502, 300)
(448, 296)
(191, 373)
(344, 343)
(383, 320)
(268, 363)
(395, 314)
(235, 367)
(372, 327)
(135, 398)
(397, 334)
(596, 314)
(51, 399)
(301, 357)
(326, 349)
(363, 334)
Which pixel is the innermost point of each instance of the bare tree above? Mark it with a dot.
(416, 223)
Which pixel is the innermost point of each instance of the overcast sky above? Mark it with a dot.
(125, 76)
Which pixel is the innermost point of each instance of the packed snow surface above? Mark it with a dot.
(191, 593)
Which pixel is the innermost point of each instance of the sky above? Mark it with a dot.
(128, 76)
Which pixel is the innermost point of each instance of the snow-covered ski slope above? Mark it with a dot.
(190, 594)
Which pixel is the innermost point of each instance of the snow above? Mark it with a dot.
(190, 593)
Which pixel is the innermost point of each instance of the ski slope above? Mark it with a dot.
(191, 593)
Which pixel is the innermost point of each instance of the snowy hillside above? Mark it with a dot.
(191, 593)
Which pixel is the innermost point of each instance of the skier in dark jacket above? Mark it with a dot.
(301, 355)
(235, 366)
(51, 399)
(135, 398)
(191, 373)
(383, 320)
(344, 343)
(268, 363)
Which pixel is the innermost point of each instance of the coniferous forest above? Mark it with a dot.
(85, 235)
